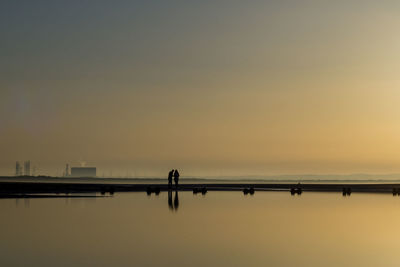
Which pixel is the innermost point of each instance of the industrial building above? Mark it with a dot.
(18, 171)
(23, 171)
(66, 174)
(27, 168)
(83, 171)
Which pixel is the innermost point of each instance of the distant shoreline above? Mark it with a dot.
(185, 180)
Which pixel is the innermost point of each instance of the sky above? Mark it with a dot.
(212, 88)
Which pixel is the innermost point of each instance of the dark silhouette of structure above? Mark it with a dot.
(202, 190)
(54, 186)
(249, 191)
(346, 191)
(156, 190)
(296, 190)
(396, 191)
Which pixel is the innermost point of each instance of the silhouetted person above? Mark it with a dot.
(171, 207)
(176, 178)
(176, 201)
(170, 174)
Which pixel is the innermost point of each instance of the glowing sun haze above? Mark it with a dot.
(210, 87)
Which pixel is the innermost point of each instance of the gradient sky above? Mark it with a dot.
(210, 87)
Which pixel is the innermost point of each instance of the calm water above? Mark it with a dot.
(219, 229)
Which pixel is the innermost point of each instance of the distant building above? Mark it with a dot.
(17, 169)
(83, 171)
(67, 170)
(27, 168)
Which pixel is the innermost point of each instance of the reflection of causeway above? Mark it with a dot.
(173, 205)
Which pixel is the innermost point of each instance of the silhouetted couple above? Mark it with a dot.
(175, 174)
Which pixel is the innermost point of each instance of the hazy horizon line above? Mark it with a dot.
(282, 177)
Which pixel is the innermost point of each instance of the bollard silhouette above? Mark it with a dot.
(348, 191)
(292, 191)
(251, 190)
(203, 191)
(157, 191)
(299, 191)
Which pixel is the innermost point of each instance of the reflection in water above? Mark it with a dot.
(176, 201)
(170, 205)
(175, 204)
(223, 229)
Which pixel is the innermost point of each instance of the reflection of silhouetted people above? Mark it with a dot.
(170, 174)
(176, 201)
(176, 178)
(171, 207)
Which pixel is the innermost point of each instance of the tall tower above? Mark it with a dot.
(67, 170)
(17, 169)
(27, 168)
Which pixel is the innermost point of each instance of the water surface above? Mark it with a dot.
(218, 229)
